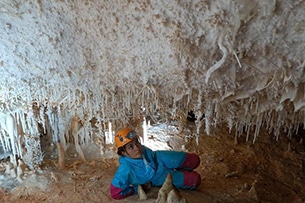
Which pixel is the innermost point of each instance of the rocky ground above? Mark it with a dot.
(232, 170)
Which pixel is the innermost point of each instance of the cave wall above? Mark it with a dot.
(238, 62)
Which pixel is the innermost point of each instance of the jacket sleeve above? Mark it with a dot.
(120, 186)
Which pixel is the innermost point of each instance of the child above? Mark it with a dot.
(139, 165)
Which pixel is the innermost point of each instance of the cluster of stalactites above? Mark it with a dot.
(20, 137)
(20, 131)
(238, 63)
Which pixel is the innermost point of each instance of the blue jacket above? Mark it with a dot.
(152, 167)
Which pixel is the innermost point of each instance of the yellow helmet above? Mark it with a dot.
(124, 136)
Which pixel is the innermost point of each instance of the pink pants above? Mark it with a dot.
(191, 178)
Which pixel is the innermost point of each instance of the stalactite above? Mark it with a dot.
(61, 156)
(52, 125)
(8, 143)
(42, 118)
(110, 134)
(32, 124)
(248, 128)
(75, 133)
(61, 127)
(2, 140)
(198, 123)
(257, 127)
(221, 61)
(144, 126)
(19, 147)
(11, 130)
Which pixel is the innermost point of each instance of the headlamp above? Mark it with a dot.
(131, 135)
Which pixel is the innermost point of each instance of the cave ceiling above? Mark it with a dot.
(238, 62)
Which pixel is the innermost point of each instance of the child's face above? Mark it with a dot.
(133, 149)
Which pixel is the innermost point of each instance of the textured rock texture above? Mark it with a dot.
(240, 62)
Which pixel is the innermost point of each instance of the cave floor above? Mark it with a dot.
(232, 170)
